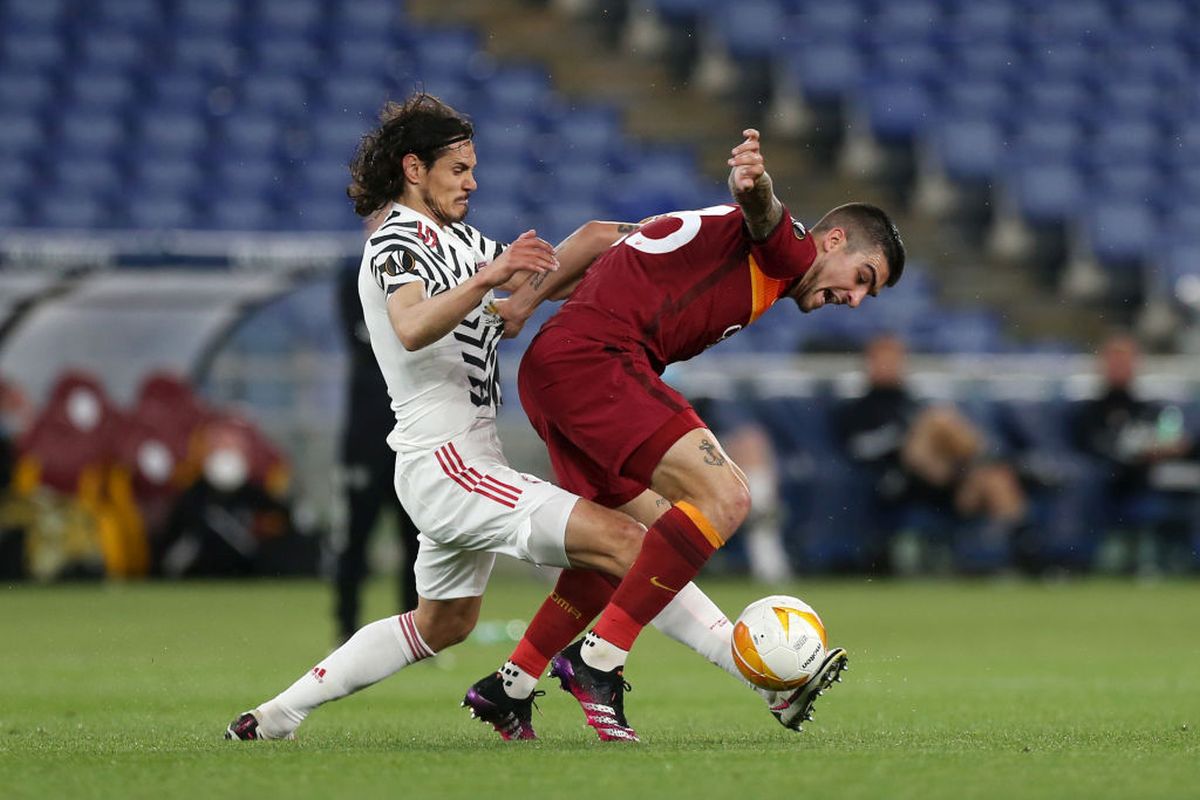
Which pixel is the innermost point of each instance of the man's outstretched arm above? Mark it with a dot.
(752, 188)
(575, 254)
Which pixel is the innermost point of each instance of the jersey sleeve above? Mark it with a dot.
(788, 252)
(399, 258)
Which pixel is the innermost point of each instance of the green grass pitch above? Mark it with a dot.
(956, 690)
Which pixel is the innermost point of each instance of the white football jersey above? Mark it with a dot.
(441, 390)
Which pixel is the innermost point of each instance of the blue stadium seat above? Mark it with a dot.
(970, 149)
(741, 25)
(24, 90)
(1127, 180)
(273, 94)
(1121, 231)
(114, 49)
(165, 176)
(33, 17)
(367, 15)
(159, 212)
(321, 213)
(977, 23)
(20, 133)
(255, 177)
(79, 212)
(91, 174)
(500, 218)
(969, 58)
(909, 62)
(33, 50)
(289, 15)
(679, 11)
(91, 134)
(354, 94)
(241, 214)
(1047, 140)
(102, 90)
(16, 176)
(207, 15)
(826, 71)
(1047, 192)
(286, 55)
(250, 134)
(910, 21)
(1055, 99)
(517, 91)
(172, 132)
(445, 53)
(140, 15)
(207, 52)
(977, 97)
(180, 91)
(897, 111)
(337, 135)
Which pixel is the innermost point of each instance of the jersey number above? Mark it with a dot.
(677, 239)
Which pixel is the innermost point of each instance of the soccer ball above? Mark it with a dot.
(778, 642)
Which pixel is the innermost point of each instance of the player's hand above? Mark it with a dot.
(747, 163)
(507, 316)
(527, 253)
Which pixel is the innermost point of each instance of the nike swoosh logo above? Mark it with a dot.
(656, 582)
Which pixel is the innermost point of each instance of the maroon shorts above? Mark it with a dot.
(605, 415)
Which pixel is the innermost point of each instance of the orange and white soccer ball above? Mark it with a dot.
(779, 642)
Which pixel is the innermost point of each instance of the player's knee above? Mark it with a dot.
(626, 542)
(725, 506)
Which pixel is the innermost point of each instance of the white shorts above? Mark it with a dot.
(469, 505)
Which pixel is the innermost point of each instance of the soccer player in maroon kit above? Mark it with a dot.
(617, 434)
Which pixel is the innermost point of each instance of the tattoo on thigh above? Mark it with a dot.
(712, 456)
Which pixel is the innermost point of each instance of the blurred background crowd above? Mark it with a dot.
(185, 389)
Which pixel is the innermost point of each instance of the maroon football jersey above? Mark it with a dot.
(686, 281)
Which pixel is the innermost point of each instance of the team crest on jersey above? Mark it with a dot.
(798, 229)
(427, 235)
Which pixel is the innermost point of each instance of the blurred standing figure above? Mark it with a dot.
(367, 467)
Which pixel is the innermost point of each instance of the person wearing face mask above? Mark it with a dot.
(222, 524)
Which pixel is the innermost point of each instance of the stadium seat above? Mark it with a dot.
(87, 174)
(144, 16)
(286, 55)
(81, 212)
(970, 149)
(214, 16)
(159, 212)
(113, 50)
(242, 214)
(273, 94)
(250, 136)
(30, 50)
(176, 133)
(168, 176)
(92, 134)
(23, 91)
(103, 91)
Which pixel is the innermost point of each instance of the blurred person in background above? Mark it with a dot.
(15, 414)
(1149, 463)
(227, 523)
(427, 284)
(931, 456)
(366, 467)
(749, 446)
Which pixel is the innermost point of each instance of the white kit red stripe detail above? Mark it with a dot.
(409, 629)
(471, 480)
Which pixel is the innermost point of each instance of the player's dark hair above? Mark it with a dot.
(422, 125)
(867, 227)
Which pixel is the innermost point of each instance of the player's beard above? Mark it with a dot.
(442, 215)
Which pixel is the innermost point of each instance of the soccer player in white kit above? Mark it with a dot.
(427, 284)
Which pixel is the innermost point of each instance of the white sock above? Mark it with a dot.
(602, 654)
(518, 684)
(764, 537)
(693, 620)
(376, 651)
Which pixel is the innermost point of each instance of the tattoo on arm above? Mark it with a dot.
(712, 456)
(627, 227)
(537, 280)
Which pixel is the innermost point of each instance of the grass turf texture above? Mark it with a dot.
(955, 690)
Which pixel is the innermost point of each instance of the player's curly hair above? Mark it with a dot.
(868, 226)
(422, 125)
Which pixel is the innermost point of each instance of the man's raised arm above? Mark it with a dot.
(752, 189)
